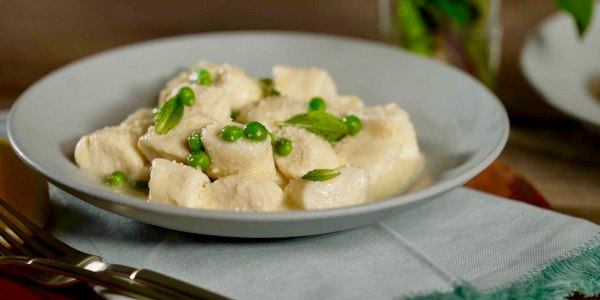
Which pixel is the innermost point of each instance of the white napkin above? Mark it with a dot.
(465, 244)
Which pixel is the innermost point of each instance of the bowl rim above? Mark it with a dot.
(300, 215)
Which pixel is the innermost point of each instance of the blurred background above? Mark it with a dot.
(40, 36)
(558, 155)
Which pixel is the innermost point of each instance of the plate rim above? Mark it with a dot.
(304, 215)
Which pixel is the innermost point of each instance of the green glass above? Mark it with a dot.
(464, 33)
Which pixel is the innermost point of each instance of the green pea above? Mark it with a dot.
(186, 95)
(201, 77)
(198, 159)
(353, 124)
(195, 141)
(231, 133)
(283, 147)
(317, 104)
(205, 78)
(116, 178)
(255, 131)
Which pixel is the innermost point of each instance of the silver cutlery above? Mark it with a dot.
(30, 252)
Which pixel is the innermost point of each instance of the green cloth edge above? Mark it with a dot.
(578, 271)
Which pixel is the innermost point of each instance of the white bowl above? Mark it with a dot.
(565, 68)
(461, 126)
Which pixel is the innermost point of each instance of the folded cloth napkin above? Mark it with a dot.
(464, 245)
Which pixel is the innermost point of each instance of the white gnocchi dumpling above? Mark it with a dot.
(349, 188)
(175, 183)
(272, 111)
(309, 152)
(235, 85)
(115, 148)
(230, 149)
(173, 144)
(139, 121)
(242, 89)
(242, 156)
(242, 193)
(386, 147)
(303, 83)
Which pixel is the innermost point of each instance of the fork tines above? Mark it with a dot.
(20, 236)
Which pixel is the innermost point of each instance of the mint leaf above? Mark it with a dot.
(323, 124)
(581, 10)
(321, 174)
(168, 115)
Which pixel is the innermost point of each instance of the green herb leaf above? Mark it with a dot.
(168, 115)
(416, 34)
(581, 10)
(460, 11)
(320, 123)
(140, 184)
(268, 87)
(321, 174)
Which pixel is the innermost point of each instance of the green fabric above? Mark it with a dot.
(575, 272)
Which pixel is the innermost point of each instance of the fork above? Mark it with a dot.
(30, 252)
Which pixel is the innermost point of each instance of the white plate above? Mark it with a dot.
(564, 68)
(461, 126)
